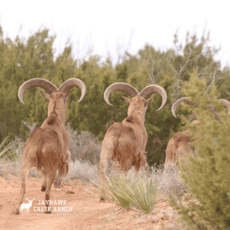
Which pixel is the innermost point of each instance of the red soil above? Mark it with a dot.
(86, 213)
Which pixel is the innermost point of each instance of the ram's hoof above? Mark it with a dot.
(17, 211)
(102, 200)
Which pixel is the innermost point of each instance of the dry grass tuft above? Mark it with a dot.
(83, 171)
(84, 146)
(170, 181)
(132, 189)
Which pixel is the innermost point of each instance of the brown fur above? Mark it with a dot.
(47, 147)
(117, 130)
(178, 146)
(51, 119)
(124, 143)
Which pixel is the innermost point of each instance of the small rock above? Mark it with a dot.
(70, 192)
(155, 220)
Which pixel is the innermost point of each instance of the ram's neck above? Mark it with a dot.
(56, 115)
(137, 114)
(135, 118)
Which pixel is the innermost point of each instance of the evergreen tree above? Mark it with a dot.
(207, 175)
(23, 59)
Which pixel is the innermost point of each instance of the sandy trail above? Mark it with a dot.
(80, 209)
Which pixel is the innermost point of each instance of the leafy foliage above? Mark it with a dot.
(208, 174)
(22, 59)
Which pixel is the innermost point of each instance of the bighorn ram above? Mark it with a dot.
(47, 146)
(178, 144)
(125, 142)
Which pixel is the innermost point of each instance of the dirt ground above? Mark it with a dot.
(76, 206)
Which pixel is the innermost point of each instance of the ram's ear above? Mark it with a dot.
(127, 99)
(46, 95)
(147, 101)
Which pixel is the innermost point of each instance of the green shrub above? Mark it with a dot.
(207, 177)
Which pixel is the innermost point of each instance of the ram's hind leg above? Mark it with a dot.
(103, 167)
(126, 164)
(140, 162)
(49, 181)
(43, 187)
(23, 177)
(106, 155)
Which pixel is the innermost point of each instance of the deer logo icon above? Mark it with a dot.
(26, 206)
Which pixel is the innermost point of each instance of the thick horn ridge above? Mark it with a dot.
(178, 102)
(147, 91)
(120, 86)
(72, 82)
(36, 82)
(226, 104)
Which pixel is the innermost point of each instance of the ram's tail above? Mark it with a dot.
(39, 156)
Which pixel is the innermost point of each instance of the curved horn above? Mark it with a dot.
(178, 102)
(119, 86)
(147, 91)
(226, 104)
(70, 83)
(37, 82)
